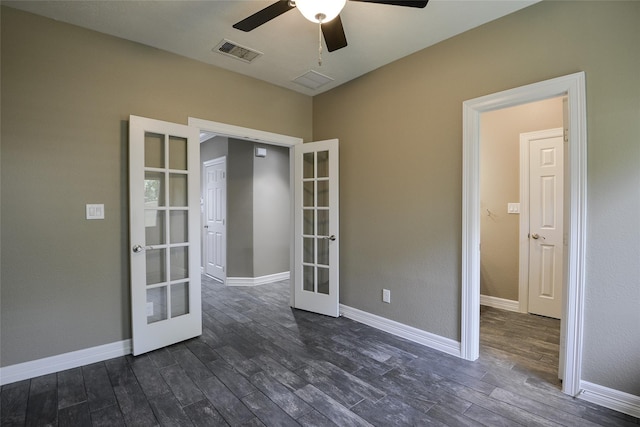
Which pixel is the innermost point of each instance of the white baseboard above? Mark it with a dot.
(410, 333)
(501, 303)
(256, 281)
(610, 398)
(61, 362)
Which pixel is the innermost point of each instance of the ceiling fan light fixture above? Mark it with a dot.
(320, 11)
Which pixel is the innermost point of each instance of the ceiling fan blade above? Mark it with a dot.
(406, 3)
(333, 33)
(264, 15)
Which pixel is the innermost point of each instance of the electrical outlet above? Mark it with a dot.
(386, 295)
(149, 309)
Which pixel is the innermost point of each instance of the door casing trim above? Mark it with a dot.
(573, 86)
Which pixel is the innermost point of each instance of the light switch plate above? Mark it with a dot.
(95, 211)
(513, 208)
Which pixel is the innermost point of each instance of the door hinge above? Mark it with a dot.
(566, 135)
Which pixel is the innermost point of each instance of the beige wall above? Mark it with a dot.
(400, 129)
(67, 94)
(500, 184)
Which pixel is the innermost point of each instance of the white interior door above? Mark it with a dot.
(215, 213)
(316, 227)
(546, 188)
(164, 223)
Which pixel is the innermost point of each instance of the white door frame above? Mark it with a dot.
(523, 231)
(573, 86)
(239, 132)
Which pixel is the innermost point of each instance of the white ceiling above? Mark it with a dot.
(377, 34)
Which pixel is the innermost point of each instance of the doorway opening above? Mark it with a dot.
(521, 257)
(209, 129)
(573, 87)
(245, 229)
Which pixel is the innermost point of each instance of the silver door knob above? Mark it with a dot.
(536, 236)
(332, 237)
(138, 248)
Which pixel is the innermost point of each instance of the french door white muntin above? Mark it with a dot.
(316, 223)
(164, 216)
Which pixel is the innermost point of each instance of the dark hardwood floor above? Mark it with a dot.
(259, 362)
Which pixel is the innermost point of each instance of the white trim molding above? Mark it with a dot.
(501, 303)
(257, 281)
(48, 365)
(410, 333)
(574, 87)
(610, 398)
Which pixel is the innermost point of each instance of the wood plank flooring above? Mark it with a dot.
(260, 363)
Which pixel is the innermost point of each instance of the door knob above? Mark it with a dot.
(139, 248)
(536, 236)
(332, 237)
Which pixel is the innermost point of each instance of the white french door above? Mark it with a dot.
(164, 224)
(316, 227)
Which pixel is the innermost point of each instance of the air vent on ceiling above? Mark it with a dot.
(312, 80)
(229, 48)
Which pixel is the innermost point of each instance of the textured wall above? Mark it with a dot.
(67, 94)
(272, 211)
(400, 130)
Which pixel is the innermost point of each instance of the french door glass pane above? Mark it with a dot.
(308, 281)
(323, 280)
(179, 263)
(323, 194)
(178, 226)
(153, 150)
(177, 189)
(323, 164)
(308, 196)
(323, 222)
(156, 266)
(179, 299)
(309, 255)
(308, 221)
(177, 153)
(156, 304)
(154, 227)
(153, 189)
(323, 251)
(308, 166)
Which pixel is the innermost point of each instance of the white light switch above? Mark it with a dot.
(95, 211)
(513, 208)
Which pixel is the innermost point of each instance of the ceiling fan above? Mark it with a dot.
(323, 12)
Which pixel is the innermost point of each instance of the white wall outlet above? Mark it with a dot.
(149, 309)
(386, 295)
(513, 208)
(95, 211)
